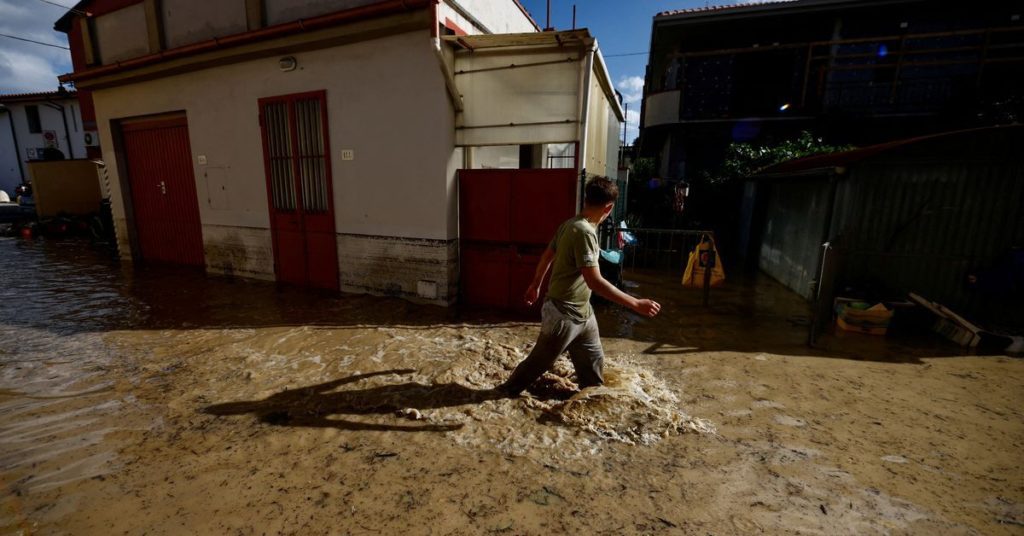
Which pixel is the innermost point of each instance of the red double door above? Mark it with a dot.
(299, 189)
(163, 190)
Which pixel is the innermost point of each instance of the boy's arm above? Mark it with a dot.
(533, 292)
(600, 285)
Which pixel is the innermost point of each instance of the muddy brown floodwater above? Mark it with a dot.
(161, 401)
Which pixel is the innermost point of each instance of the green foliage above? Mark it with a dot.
(743, 159)
(643, 169)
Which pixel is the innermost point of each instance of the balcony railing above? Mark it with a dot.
(896, 74)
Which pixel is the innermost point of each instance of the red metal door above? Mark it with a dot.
(299, 189)
(484, 206)
(507, 217)
(163, 190)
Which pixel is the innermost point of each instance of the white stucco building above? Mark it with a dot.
(31, 122)
(310, 142)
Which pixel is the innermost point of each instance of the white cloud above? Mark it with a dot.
(26, 67)
(632, 125)
(631, 87)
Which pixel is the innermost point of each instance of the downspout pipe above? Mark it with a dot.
(449, 77)
(588, 73)
(14, 136)
(823, 290)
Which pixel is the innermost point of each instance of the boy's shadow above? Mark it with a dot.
(312, 406)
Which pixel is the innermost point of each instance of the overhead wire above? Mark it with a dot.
(33, 41)
(71, 9)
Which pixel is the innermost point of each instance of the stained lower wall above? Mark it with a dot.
(239, 251)
(413, 268)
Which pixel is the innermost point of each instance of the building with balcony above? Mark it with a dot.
(853, 71)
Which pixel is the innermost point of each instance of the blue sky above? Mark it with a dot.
(621, 27)
(27, 66)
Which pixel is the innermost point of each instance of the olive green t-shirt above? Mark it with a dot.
(575, 246)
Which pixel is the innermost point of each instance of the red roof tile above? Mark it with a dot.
(39, 95)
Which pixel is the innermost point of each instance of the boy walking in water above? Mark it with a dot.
(567, 320)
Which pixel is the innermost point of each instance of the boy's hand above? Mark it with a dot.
(532, 293)
(647, 308)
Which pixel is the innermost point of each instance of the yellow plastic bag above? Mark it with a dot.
(704, 253)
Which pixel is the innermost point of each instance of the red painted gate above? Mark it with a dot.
(163, 190)
(507, 217)
(299, 189)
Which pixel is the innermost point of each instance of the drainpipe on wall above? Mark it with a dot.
(824, 286)
(581, 157)
(14, 135)
(449, 77)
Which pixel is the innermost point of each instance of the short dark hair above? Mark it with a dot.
(600, 191)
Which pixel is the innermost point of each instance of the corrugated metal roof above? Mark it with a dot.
(710, 8)
(844, 158)
(770, 7)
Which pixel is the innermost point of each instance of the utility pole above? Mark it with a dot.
(625, 123)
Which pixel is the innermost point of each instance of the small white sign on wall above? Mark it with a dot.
(348, 154)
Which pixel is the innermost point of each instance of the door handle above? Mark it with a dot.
(163, 188)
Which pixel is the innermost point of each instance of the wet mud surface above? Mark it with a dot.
(158, 401)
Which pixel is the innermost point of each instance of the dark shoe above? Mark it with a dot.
(505, 391)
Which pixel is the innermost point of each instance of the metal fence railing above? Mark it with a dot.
(656, 249)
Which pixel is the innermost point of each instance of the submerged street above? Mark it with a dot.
(162, 401)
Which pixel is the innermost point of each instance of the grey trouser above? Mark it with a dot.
(558, 333)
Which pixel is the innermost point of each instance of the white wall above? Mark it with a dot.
(533, 98)
(9, 175)
(386, 100)
(596, 157)
(497, 16)
(614, 140)
(50, 119)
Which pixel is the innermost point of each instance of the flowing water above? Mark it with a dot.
(160, 400)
